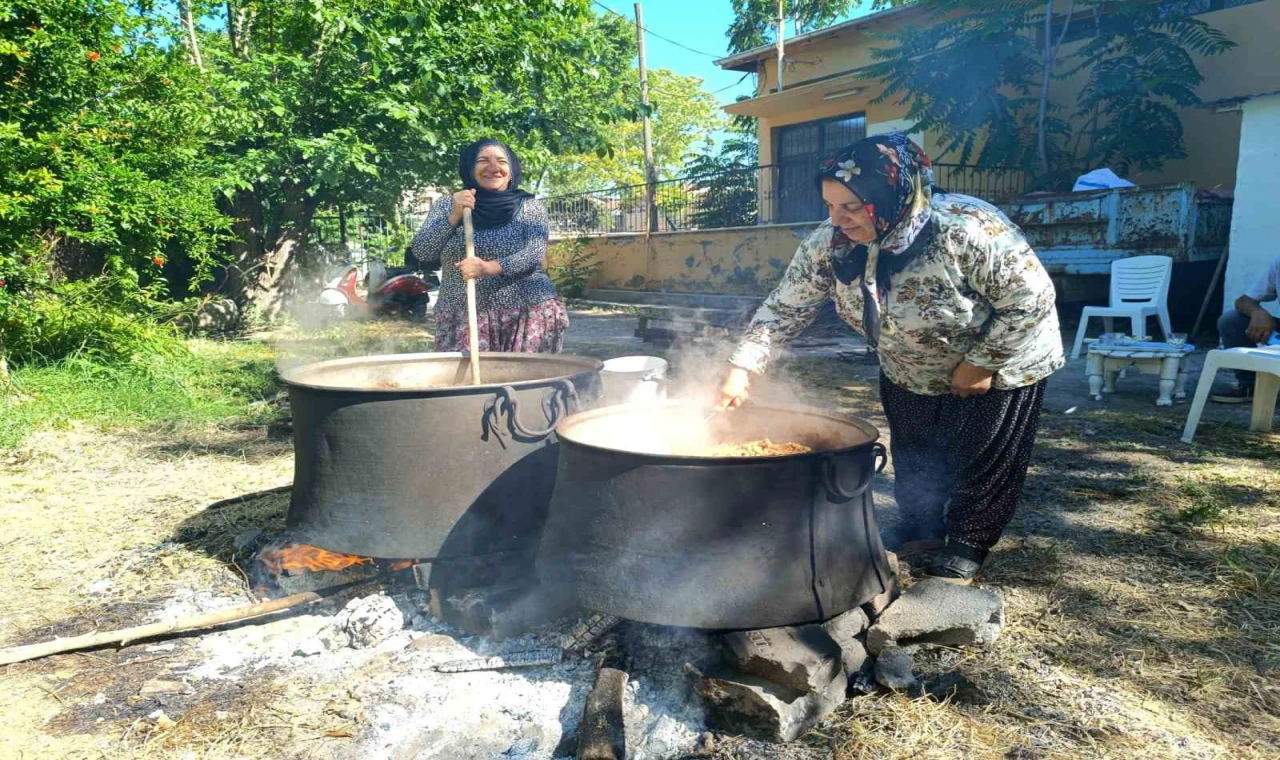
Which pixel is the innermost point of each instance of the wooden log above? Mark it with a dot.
(602, 734)
(191, 623)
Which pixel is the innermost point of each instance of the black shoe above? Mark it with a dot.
(952, 569)
(1233, 396)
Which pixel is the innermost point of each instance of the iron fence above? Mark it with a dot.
(773, 194)
(368, 235)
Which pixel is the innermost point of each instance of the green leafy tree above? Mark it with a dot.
(683, 118)
(726, 183)
(980, 76)
(352, 102)
(102, 122)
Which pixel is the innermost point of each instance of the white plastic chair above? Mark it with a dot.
(1139, 289)
(1264, 361)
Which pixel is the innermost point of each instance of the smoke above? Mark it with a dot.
(694, 379)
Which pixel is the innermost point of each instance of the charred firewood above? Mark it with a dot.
(588, 631)
(602, 734)
(531, 658)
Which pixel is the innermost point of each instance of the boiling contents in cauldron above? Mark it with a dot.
(761, 448)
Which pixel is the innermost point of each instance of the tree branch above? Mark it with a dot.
(189, 23)
(1051, 50)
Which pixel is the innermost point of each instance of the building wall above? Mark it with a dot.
(1211, 139)
(747, 261)
(1255, 225)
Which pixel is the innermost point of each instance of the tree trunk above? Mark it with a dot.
(1050, 60)
(4, 365)
(188, 21)
(233, 31)
(278, 279)
(245, 248)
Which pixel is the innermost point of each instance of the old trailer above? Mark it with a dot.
(1079, 235)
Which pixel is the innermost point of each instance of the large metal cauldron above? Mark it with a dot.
(715, 542)
(398, 456)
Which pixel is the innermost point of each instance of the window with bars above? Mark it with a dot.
(798, 153)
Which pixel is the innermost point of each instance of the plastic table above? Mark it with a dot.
(1169, 362)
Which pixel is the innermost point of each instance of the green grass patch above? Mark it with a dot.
(1205, 497)
(210, 383)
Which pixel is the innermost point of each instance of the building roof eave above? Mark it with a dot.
(1237, 99)
(746, 60)
(764, 104)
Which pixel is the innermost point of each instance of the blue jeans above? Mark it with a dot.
(1231, 328)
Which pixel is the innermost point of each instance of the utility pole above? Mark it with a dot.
(777, 43)
(650, 173)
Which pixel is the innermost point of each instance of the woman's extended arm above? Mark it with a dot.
(792, 306)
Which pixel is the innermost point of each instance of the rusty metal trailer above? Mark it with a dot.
(1078, 235)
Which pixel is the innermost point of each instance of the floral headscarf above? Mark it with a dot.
(892, 177)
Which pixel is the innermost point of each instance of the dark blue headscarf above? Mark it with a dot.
(494, 208)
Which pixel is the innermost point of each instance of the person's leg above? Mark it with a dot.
(1231, 328)
(919, 464)
(989, 443)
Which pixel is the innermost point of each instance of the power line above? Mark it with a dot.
(655, 34)
(735, 84)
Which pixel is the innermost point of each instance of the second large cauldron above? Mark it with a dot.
(400, 456)
(704, 542)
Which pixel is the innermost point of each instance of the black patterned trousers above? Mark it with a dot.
(959, 463)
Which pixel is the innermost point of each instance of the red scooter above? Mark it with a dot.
(394, 291)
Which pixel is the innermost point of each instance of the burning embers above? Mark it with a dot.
(293, 567)
(299, 558)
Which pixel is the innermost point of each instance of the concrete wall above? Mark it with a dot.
(746, 261)
(1255, 225)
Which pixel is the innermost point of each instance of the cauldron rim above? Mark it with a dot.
(584, 366)
(565, 435)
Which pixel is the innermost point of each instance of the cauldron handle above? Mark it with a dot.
(831, 480)
(559, 406)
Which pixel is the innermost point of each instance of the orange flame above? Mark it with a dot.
(295, 557)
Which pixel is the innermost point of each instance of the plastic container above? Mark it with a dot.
(634, 380)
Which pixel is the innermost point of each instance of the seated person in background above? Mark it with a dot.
(1247, 326)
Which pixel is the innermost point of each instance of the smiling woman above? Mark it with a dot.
(518, 309)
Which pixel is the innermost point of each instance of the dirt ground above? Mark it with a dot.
(1141, 578)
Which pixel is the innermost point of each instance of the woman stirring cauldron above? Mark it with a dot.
(518, 310)
(961, 313)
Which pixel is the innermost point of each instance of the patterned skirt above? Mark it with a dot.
(537, 329)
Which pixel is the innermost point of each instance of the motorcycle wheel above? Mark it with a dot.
(418, 309)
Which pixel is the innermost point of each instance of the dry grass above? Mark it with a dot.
(1142, 580)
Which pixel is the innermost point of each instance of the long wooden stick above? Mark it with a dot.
(1204, 305)
(469, 234)
(191, 623)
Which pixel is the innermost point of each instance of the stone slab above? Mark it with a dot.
(936, 612)
(744, 704)
(801, 658)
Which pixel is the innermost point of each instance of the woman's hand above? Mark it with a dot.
(478, 269)
(461, 199)
(970, 380)
(735, 389)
